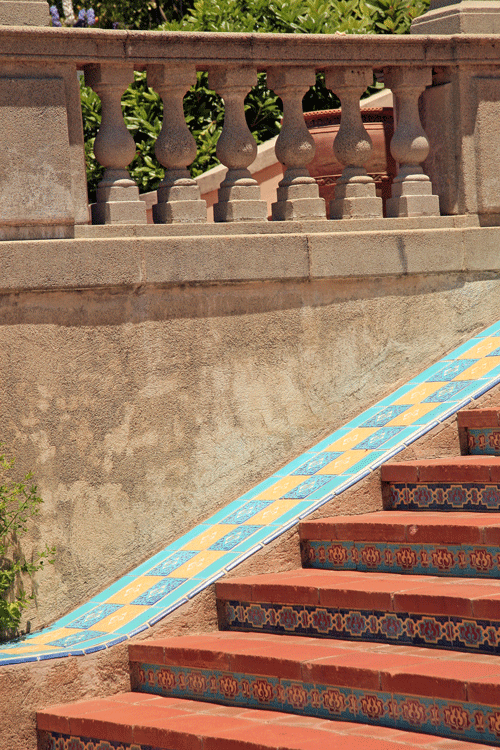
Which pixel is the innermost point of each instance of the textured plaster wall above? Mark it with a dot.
(141, 412)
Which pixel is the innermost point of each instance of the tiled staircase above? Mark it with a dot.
(388, 637)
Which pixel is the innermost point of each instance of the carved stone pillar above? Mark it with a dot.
(411, 189)
(178, 194)
(117, 194)
(298, 193)
(239, 193)
(355, 195)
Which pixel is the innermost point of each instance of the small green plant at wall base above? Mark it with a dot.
(19, 502)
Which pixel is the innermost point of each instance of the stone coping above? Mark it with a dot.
(110, 257)
(245, 526)
(214, 49)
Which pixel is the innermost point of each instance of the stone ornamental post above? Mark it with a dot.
(460, 113)
(239, 194)
(411, 189)
(178, 194)
(117, 194)
(24, 13)
(298, 192)
(355, 195)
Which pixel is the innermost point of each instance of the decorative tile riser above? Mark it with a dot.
(470, 561)
(434, 496)
(57, 741)
(440, 717)
(483, 442)
(454, 633)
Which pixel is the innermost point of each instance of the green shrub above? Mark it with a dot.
(19, 502)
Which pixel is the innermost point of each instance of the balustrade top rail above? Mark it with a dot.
(321, 51)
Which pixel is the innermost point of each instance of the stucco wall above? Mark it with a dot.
(143, 411)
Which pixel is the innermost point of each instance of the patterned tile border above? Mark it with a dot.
(57, 741)
(194, 561)
(457, 497)
(444, 632)
(436, 716)
(483, 442)
(470, 561)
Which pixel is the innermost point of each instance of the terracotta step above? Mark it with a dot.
(479, 431)
(461, 614)
(445, 484)
(406, 688)
(159, 722)
(422, 542)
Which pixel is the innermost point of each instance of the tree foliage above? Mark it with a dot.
(19, 502)
(204, 110)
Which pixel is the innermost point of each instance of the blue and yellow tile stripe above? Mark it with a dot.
(194, 561)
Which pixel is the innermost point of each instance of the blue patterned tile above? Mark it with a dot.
(385, 415)
(94, 615)
(451, 370)
(171, 563)
(317, 462)
(233, 538)
(159, 591)
(76, 638)
(247, 511)
(378, 438)
(306, 488)
(450, 392)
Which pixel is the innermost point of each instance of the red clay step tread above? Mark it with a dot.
(458, 613)
(178, 724)
(470, 469)
(413, 688)
(407, 526)
(474, 418)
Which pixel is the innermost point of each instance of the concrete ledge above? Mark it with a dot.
(222, 255)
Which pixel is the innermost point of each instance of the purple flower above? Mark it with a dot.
(115, 25)
(91, 17)
(54, 13)
(82, 14)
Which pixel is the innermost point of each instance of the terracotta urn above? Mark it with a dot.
(325, 168)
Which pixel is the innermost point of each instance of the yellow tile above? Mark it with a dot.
(128, 593)
(119, 618)
(351, 439)
(410, 416)
(20, 650)
(480, 350)
(272, 512)
(197, 564)
(209, 537)
(344, 462)
(281, 487)
(479, 369)
(417, 394)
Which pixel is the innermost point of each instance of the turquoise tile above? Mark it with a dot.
(327, 488)
(323, 444)
(398, 394)
(189, 536)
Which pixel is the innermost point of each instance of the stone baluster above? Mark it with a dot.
(411, 189)
(298, 193)
(239, 194)
(178, 194)
(117, 194)
(355, 195)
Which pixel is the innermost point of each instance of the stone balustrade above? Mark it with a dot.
(447, 96)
